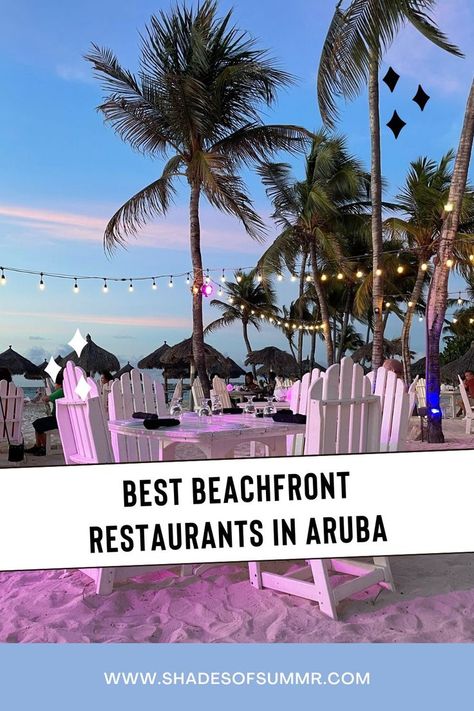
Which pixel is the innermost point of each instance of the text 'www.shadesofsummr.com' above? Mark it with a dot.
(237, 678)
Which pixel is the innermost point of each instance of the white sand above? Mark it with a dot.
(434, 601)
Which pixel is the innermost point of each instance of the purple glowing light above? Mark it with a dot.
(206, 289)
(229, 387)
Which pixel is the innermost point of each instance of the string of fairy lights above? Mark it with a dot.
(214, 280)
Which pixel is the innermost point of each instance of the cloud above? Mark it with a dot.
(217, 231)
(68, 72)
(37, 338)
(131, 321)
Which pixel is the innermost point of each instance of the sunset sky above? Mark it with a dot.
(63, 173)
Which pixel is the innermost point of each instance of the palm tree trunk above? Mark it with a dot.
(438, 293)
(247, 344)
(376, 198)
(345, 323)
(323, 307)
(196, 259)
(312, 351)
(300, 309)
(405, 339)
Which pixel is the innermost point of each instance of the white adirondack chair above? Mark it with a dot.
(468, 407)
(178, 391)
(421, 393)
(299, 399)
(135, 392)
(219, 388)
(343, 417)
(197, 392)
(395, 404)
(12, 399)
(85, 439)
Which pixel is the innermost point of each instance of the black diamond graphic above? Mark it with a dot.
(396, 124)
(391, 78)
(421, 97)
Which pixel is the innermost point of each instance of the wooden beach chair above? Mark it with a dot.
(219, 388)
(135, 392)
(299, 399)
(395, 403)
(344, 417)
(197, 393)
(468, 407)
(13, 400)
(85, 439)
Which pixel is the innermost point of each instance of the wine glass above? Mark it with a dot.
(216, 405)
(249, 407)
(269, 408)
(204, 410)
(176, 408)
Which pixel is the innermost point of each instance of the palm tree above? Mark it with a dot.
(355, 44)
(316, 213)
(422, 201)
(196, 100)
(438, 293)
(247, 298)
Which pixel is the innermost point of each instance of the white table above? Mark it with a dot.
(216, 436)
(449, 402)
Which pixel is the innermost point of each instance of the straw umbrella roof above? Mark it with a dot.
(126, 369)
(153, 360)
(16, 363)
(390, 349)
(228, 370)
(419, 367)
(450, 371)
(38, 373)
(273, 358)
(93, 358)
(182, 353)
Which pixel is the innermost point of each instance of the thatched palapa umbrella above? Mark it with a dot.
(153, 360)
(230, 370)
(16, 363)
(450, 371)
(93, 358)
(39, 373)
(273, 358)
(126, 369)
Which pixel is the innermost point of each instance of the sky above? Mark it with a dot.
(64, 173)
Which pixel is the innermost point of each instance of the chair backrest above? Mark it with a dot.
(294, 396)
(197, 392)
(13, 400)
(178, 391)
(307, 381)
(219, 388)
(421, 393)
(465, 398)
(395, 403)
(81, 420)
(136, 392)
(343, 415)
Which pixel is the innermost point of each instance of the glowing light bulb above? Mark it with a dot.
(206, 290)
(308, 277)
(154, 286)
(400, 269)
(170, 283)
(455, 320)
(42, 285)
(223, 276)
(424, 267)
(188, 279)
(340, 276)
(323, 277)
(219, 292)
(459, 301)
(208, 278)
(471, 320)
(105, 288)
(378, 272)
(293, 326)
(130, 286)
(262, 316)
(293, 277)
(471, 257)
(420, 318)
(259, 277)
(449, 263)
(388, 304)
(239, 278)
(280, 277)
(449, 207)
(410, 304)
(359, 274)
(3, 279)
(230, 300)
(75, 287)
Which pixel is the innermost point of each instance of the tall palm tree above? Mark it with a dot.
(355, 44)
(422, 201)
(438, 293)
(246, 299)
(315, 213)
(196, 100)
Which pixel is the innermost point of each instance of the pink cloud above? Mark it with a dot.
(134, 321)
(218, 231)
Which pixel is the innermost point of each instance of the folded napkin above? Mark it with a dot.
(155, 424)
(259, 399)
(232, 411)
(145, 416)
(288, 416)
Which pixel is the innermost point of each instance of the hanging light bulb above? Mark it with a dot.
(219, 291)
(400, 269)
(424, 267)
(388, 304)
(293, 277)
(270, 319)
(460, 300)
(206, 290)
(154, 286)
(130, 286)
(170, 283)
(239, 277)
(280, 277)
(323, 277)
(42, 285)
(286, 324)
(410, 304)
(449, 263)
(105, 288)
(449, 207)
(293, 326)
(208, 278)
(359, 274)
(420, 318)
(471, 320)
(262, 316)
(188, 279)
(3, 279)
(230, 299)
(259, 277)
(471, 257)
(242, 307)
(308, 277)
(75, 287)
(455, 320)
(223, 276)
(340, 276)
(378, 272)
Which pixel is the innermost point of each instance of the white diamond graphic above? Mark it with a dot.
(82, 388)
(78, 342)
(52, 369)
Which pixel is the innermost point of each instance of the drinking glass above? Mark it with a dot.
(176, 408)
(204, 410)
(216, 405)
(269, 408)
(249, 408)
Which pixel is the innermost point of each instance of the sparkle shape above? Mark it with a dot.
(391, 78)
(421, 97)
(396, 124)
(82, 388)
(78, 342)
(52, 369)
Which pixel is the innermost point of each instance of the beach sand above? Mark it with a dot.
(434, 601)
